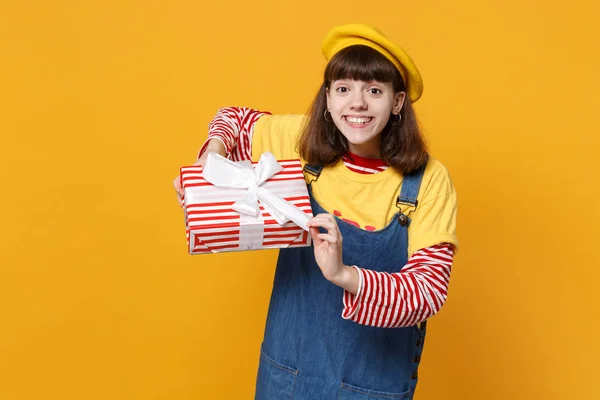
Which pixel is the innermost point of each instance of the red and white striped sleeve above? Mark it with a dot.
(234, 127)
(403, 298)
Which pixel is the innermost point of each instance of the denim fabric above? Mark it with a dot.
(310, 352)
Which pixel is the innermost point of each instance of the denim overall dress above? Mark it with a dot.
(309, 351)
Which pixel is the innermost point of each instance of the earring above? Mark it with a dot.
(325, 113)
(396, 118)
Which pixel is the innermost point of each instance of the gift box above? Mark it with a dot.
(238, 206)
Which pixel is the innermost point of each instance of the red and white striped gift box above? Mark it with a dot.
(213, 226)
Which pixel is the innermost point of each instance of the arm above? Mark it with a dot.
(382, 299)
(399, 299)
(229, 134)
(420, 289)
(235, 131)
(233, 128)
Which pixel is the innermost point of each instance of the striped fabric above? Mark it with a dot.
(363, 165)
(405, 298)
(234, 127)
(400, 299)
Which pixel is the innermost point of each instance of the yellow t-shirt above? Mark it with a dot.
(367, 200)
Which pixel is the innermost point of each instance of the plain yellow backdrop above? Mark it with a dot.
(103, 101)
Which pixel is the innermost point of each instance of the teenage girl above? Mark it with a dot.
(347, 317)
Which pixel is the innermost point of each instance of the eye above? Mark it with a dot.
(341, 89)
(375, 91)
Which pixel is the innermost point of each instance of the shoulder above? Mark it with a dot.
(278, 134)
(436, 181)
(435, 169)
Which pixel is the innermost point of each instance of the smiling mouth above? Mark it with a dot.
(358, 121)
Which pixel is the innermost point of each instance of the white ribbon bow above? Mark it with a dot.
(223, 172)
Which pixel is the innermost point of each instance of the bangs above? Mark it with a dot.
(362, 63)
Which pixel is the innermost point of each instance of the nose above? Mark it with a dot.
(358, 101)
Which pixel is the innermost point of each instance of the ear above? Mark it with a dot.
(328, 98)
(398, 102)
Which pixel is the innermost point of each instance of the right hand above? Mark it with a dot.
(214, 146)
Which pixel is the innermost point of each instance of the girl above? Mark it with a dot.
(347, 317)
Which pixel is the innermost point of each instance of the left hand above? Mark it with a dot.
(328, 246)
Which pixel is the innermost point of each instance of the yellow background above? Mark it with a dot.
(103, 101)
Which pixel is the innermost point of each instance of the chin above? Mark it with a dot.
(359, 141)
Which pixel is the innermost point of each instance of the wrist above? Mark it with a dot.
(215, 146)
(346, 278)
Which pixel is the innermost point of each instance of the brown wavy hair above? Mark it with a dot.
(402, 144)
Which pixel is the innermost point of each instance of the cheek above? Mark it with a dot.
(337, 109)
(385, 110)
(337, 103)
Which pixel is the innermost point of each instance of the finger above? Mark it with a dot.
(325, 216)
(326, 223)
(314, 233)
(177, 186)
(329, 238)
(202, 160)
(179, 191)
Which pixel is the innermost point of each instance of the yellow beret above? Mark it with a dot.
(344, 36)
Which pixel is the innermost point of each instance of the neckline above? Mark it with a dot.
(341, 168)
(372, 163)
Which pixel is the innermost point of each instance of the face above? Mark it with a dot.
(361, 110)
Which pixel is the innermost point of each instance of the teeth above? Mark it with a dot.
(358, 120)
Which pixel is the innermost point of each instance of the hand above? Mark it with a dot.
(214, 146)
(328, 247)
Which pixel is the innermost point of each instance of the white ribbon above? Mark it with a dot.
(222, 172)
